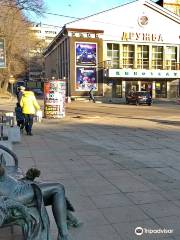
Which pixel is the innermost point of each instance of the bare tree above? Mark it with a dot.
(18, 38)
(31, 5)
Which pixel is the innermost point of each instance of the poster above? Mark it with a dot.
(86, 78)
(86, 54)
(54, 99)
(2, 54)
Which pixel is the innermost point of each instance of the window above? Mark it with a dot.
(143, 57)
(49, 38)
(117, 89)
(113, 54)
(128, 56)
(157, 57)
(170, 58)
(36, 31)
(50, 32)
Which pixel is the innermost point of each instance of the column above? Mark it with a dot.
(168, 90)
(154, 89)
(123, 89)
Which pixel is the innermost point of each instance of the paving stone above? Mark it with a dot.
(145, 197)
(124, 214)
(161, 209)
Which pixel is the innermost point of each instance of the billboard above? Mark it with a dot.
(86, 54)
(86, 78)
(2, 54)
(54, 99)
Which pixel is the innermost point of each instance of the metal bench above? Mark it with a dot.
(12, 168)
(11, 162)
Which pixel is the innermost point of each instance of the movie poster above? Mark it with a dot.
(86, 54)
(86, 78)
(2, 54)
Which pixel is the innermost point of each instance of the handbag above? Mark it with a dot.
(39, 115)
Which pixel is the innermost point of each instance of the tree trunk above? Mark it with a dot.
(5, 85)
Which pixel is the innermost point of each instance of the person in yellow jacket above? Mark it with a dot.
(29, 107)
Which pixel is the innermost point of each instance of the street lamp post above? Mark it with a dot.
(68, 89)
(12, 80)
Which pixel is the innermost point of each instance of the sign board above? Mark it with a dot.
(2, 54)
(139, 73)
(54, 99)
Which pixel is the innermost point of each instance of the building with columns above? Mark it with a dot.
(172, 5)
(132, 46)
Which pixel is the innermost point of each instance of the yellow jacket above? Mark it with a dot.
(29, 103)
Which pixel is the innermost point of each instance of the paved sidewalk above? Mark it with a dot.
(119, 175)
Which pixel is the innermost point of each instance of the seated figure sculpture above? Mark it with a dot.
(23, 191)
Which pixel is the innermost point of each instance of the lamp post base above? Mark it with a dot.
(68, 99)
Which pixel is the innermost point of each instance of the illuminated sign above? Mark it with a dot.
(135, 36)
(86, 54)
(139, 73)
(86, 78)
(86, 66)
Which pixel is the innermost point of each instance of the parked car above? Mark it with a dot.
(137, 98)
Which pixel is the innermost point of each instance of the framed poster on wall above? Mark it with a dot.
(86, 54)
(86, 78)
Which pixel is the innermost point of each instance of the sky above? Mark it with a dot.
(74, 8)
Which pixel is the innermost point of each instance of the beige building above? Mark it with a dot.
(45, 34)
(172, 5)
(117, 50)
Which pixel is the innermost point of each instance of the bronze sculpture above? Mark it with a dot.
(20, 196)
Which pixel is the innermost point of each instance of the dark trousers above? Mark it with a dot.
(91, 97)
(28, 122)
(20, 123)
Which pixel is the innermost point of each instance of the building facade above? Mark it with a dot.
(45, 35)
(118, 50)
(172, 5)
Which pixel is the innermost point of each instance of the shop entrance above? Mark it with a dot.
(161, 89)
(146, 86)
(117, 89)
(132, 86)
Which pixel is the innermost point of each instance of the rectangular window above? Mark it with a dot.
(157, 57)
(142, 57)
(170, 58)
(113, 54)
(128, 56)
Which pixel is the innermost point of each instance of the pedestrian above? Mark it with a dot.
(91, 95)
(19, 93)
(19, 116)
(29, 106)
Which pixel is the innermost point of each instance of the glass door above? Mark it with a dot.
(161, 89)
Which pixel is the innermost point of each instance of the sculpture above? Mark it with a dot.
(19, 197)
